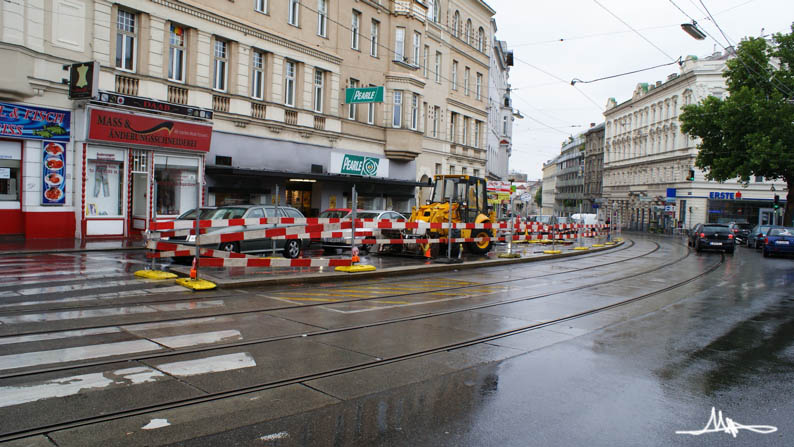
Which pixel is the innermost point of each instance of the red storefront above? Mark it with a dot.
(36, 172)
(136, 164)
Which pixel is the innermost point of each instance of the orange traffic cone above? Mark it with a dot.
(193, 273)
(427, 252)
(355, 255)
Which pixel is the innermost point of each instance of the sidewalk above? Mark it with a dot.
(22, 246)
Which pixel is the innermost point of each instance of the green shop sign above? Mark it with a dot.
(358, 165)
(361, 95)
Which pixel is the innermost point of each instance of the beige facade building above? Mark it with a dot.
(262, 84)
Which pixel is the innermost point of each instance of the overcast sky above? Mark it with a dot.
(557, 41)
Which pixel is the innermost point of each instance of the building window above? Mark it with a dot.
(374, 30)
(425, 57)
(468, 32)
(451, 169)
(322, 18)
(352, 109)
(294, 8)
(476, 172)
(465, 130)
(437, 11)
(466, 76)
(417, 46)
(476, 142)
(10, 173)
(504, 125)
(452, 118)
(221, 64)
(414, 111)
(399, 44)
(436, 115)
(371, 111)
(319, 84)
(456, 24)
(260, 6)
(438, 67)
(397, 109)
(438, 168)
(177, 184)
(478, 91)
(481, 39)
(454, 75)
(289, 84)
(105, 175)
(126, 39)
(176, 54)
(354, 30)
(258, 75)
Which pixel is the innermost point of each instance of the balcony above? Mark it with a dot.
(291, 117)
(403, 144)
(258, 110)
(126, 85)
(319, 122)
(220, 103)
(177, 95)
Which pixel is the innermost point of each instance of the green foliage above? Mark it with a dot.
(539, 196)
(750, 132)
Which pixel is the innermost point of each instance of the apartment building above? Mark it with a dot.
(549, 184)
(242, 102)
(570, 177)
(648, 161)
(593, 167)
(500, 110)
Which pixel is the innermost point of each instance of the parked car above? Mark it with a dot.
(544, 219)
(778, 240)
(740, 231)
(712, 237)
(335, 213)
(290, 248)
(330, 245)
(756, 236)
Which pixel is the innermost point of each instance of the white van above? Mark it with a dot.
(587, 219)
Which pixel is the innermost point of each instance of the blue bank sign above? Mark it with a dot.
(722, 195)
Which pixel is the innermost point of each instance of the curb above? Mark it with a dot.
(389, 271)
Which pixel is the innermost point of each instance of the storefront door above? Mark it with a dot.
(766, 216)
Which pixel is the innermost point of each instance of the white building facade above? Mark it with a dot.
(648, 161)
(500, 110)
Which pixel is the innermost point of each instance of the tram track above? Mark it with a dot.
(217, 396)
(254, 341)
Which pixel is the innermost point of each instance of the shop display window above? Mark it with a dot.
(105, 183)
(9, 180)
(177, 184)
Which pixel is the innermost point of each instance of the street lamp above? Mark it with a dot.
(693, 30)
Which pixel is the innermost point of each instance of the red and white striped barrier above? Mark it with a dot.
(220, 258)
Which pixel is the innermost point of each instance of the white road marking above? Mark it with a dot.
(37, 358)
(81, 286)
(169, 324)
(156, 423)
(274, 436)
(209, 365)
(58, 273)
(57, 335)
(98, 296)
(93, 313)
(204, 338)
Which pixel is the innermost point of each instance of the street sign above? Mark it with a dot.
(526, 197)
(669, 208)
(595, 205)
(84, 80)
(645, 199)
(360, 95)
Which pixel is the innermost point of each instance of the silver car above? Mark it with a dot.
(290, 248)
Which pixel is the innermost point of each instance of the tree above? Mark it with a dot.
(751, 131)
(539, 197)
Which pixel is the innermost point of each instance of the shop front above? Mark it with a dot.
(36, 172)
(734, 207)
(137, 166)
(310, 178)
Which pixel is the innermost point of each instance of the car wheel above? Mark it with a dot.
(229, 246)
(292, 249)
(483, 246)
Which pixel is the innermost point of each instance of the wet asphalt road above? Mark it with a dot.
(633, 375)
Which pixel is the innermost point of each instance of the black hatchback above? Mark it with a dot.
(712, 237)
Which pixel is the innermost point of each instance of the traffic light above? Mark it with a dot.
(777, 201)
(691, 177)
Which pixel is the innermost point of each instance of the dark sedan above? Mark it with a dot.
(740, 231)
(756, 237)
(712, 237)
(778, 241)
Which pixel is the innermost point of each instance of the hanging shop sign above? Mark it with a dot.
(360, 95)
(36, 123)
(148, 130)
(359, 165)
(84, 80)
(54, 174)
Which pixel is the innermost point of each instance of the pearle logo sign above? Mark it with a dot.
(358, 165)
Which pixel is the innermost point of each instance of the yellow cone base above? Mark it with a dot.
(552, 252)
(609, 243)
(597, 245)
(196, 284)
(581, 248)
(154, 274)
(620, 239)
(509, 255)
(355, 268)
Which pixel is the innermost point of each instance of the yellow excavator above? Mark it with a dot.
(469, 200)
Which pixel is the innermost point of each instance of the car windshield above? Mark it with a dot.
(190, 215)
(543, 219)
(744, 226)
(367, 215)
(334, 214)
(781, 232)
(227, 213)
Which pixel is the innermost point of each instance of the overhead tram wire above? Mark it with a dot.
(579, 81)
(632, 28)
